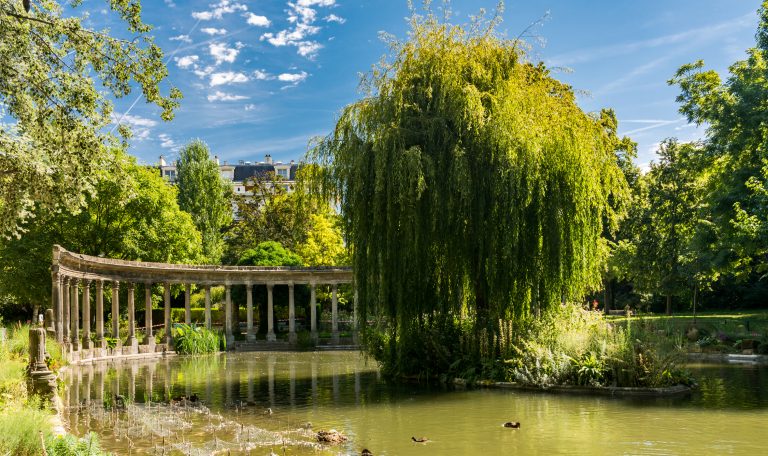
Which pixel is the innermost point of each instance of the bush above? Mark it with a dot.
(195, 340)
(21, 426)
(68, 445)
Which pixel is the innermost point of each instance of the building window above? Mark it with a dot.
(170, 174)
(283, 173)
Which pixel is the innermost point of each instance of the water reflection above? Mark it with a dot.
(343, 391)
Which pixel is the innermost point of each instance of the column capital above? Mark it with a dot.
(290, 284)
(115, 284)
(74, 281)
(131, 285)
(99, 284)
(270, 286)
(86, 282)
(249, 286)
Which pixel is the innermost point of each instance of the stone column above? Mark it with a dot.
(65, 324)
(87, 343)
(56, 305)
(187, 309)
(335, 314)
(167, 311)
(131, 341)
(291, 315)
(228, 316)
(149, 336)
(100, 341)
(74, 313)
(208, 307)
(250, 334)
(116, 314)
(313, 311)
(270, 314)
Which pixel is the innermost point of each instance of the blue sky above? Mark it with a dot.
(264, 77)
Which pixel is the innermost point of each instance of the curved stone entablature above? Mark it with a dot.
(96, 268)
(74, 275)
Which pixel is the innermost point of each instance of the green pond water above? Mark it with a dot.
(342, 391)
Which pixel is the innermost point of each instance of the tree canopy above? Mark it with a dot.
(269, 253)
(132, 215)
(470, 182)
(205, 195)
(49, 66)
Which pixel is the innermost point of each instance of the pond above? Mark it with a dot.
(307, 392)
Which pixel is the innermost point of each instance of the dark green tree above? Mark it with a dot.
(472, 188)
(206, 195)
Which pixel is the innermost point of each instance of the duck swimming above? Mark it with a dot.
(366, 452)
(512, 424)
(420, 439)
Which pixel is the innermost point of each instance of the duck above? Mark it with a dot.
(119, 401)
(420, 439)
(268, 411)
(366, 452)
(512, 424)
(194, 398)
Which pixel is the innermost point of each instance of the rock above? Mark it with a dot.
(333, 437)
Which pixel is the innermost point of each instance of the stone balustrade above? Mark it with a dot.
(73, 275)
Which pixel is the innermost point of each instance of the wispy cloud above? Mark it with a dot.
(334, 18)
(699, 34)
(218, 10)
(256, 20)
(222, 96)
(186, 61)
(166, 142)
(213, 31)
(303, 15)
(182, 38)
(141, 127)
(222, 53)
(651, 124)
(293, 78)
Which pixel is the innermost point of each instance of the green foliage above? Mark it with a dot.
(133, 215)
(324, 245)
(21, 425)
(471, 185)
(269, 253)
(49, 68)
(196, 340)
(69, 445)
(205, 195)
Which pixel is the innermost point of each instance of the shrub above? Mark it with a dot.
(68, 445)
(21, 426)
(195, 340)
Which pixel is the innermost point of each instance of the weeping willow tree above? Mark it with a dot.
(473, 188)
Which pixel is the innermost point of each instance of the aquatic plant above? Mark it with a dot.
(194, 340)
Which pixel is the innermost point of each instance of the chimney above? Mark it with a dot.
(216, 159)
(241, 162)
(268, 159)
(291, 162)
(162, 161)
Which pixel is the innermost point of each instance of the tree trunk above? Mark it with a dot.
(669, 304)
(695, 298)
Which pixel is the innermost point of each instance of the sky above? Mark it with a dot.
(265, 77)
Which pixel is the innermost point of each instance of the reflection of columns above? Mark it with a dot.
(228, 316)
(87, 314)
(131, 342)
(314, 380)
(167, 314)
(357, 385)
(250, 383)
(57, 305)
(187, 309)
(335, 314)
(116, 313)
(229, 398)
(66, 306)
(270, 314)
(313, 311)
(100, 341)
(291, 315)
(132, 382)
(292, 388)
(100, 383)
(335, 379)
(88, 384)
(74, 313)
(149, 373)
(271, 374)
(208, 307)
(355, 323)
(149, 336)
(250, 334)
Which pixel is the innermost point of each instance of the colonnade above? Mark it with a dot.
(75, 275)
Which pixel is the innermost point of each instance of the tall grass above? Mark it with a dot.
(195, 340)
(21, 425)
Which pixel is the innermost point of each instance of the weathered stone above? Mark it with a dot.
(42, 380)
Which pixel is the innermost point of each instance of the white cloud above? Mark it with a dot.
(204, 72)
(222, 53)
(303, 15)
(334, 18)
(170, 3)
(218, 10)
(166, 142)
(309, 49)
(293, 78)
(250, 107)
(258, 21)
(316, 2)
(133, 121)
(186, 61)
(228, 77)
(214, 31)
(221, 96)
(262, 75)
(184, 38)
